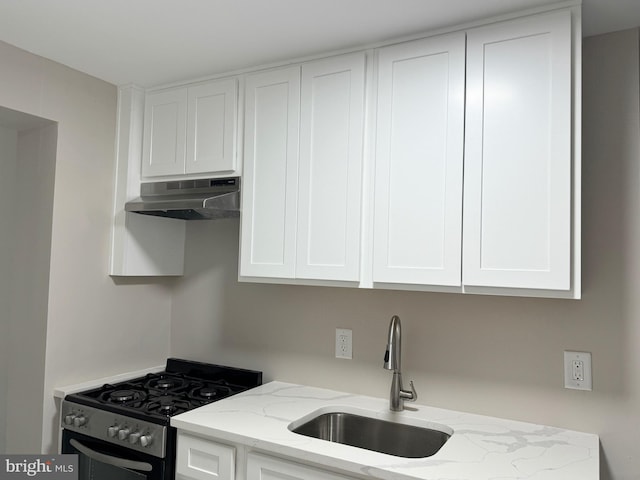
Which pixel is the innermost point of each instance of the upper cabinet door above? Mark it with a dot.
(269, 187)
(517, 197)
(418, 162)
(330, 176)
(165, 117)
(211, 127)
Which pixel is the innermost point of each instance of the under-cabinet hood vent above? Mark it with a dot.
(203, 199)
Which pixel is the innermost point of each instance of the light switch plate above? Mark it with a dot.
(577, 370)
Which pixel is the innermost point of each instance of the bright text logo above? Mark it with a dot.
(50, 467)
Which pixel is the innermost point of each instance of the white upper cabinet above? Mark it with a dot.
(191, 130)
(418, 162)
(302, 186)
(447, 163)
(330, 175)
(518, 154)
(211, 127)
(269, 186)
(164, 147)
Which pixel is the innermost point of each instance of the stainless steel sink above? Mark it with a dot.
(401, 440)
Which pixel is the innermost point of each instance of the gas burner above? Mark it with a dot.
(168, 405)
(164, 382)
(124, 396)
(210, 392)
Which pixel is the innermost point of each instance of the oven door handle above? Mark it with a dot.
(108, 459)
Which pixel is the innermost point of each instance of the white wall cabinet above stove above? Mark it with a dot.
(191, 130)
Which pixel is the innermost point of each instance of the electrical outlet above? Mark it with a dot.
(577, 370)
(344, 348)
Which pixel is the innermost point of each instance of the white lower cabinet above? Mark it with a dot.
(200, 459)
(204, 459)
(263, 467)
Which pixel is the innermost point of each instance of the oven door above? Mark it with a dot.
(99, 460)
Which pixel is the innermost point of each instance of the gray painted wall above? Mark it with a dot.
(491, 355)
(8, 156)
(96, 326)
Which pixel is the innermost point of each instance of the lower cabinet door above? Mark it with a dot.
(262, 467)
(199, 459)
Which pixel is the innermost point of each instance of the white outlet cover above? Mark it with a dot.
(344, 346)
(569, 381)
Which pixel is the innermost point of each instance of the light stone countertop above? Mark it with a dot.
(481, 447)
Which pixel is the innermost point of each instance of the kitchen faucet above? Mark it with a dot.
(392, 362)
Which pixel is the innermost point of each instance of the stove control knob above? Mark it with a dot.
(146, 440)
(124, 433)
(68, 419)
(134, 437)
(80, 420)
(112, 431)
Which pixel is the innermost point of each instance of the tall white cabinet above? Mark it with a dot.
(270, 180)
(302, 188)
(418, 162)
(330, 176)
(518, 154)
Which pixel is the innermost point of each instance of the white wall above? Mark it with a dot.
(95, 326)
(8, 156)
(492, 355)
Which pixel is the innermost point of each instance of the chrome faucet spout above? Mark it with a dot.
(394, 345)
(392, 361)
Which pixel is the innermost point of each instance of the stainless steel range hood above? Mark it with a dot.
(202, 199)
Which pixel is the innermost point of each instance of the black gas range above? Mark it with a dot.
(122, 430)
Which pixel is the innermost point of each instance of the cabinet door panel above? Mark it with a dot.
(269, 188)
(419, 154)
(211, 127)
(330, 179)
(199, 459)
(262, 467)
(517, 227)
(164, 133)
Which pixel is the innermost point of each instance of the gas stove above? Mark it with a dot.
(158, 396)
(135, 415)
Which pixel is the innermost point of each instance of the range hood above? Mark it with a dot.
(202, 199)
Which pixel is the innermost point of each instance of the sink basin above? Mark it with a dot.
(391, 438)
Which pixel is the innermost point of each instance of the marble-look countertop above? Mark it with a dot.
(481, 447)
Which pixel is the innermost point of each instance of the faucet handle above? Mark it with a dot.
(409, 395)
